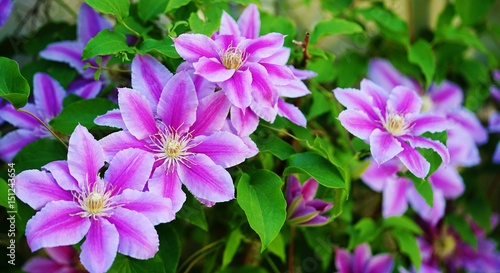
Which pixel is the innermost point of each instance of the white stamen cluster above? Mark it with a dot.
(396, 124)
(171, 146)
(95, 201)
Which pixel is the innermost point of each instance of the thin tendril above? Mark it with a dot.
(44, 125)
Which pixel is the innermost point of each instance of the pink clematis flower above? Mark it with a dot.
(62, 259)
(302, 208)
(184, 135)
(75, 202)
(48, 98)
(88, 25)
(392, 123)
(251, 70)
(5, 10)
(362, 261)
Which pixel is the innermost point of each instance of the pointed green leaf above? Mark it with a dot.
(164, 46)
(175, 4)
(402, 222)
(170, 247)
(149, 9)
(46, 150)
(233, 242)
(408, 245)
(118, 8)
(106, 42)
(192, 211)
(472, 12)
(421, 54)
(261, 198)
(275, 145)
(277, 247)
(317, 167)
(334, 27)
(13, 86)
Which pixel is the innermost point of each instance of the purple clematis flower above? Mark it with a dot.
(5, 10)
(184, 135)
(362, 261)
(398, 191)
(392, 123)
(465, 131)
(494, 127)
(302, 208)
(48, 98)
(494, 89)
(75, 202)
(251, 70)
(88, 25)
(61, 259)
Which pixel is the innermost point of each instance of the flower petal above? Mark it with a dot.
(20, 119)
(167, 184)
(384, 74)
(203, 86)
(263, 46)
(354, 99)
(294, 89)
(358, 123)
(249, 22)
(5, 11)
(435, 145)
(279, 74)
(402, 100)
(433, 214)
(343, 261)
(47, 190)
(100, 246)
(216, 106)
(496, 154)
(192, 47)
(139, 240)
(112, 118)
(156, 208)
(212, 70)
(228, 26)
(48, 94)
(414, 161)
(448, 181)
(384, 146)
(85, 156)
(244, 121)
(178, 102)
(129, 169)
(56, 224)
(60, 171)
(14, 141)
(62, 254)
(238, 89)
(291, 112)
(224, 148)
(470, 123)
(280, 57)
(206, 180)
(428, 123)
(41, 265)
(394, 197)
(362, 254)
(115, 142)
(90, 90)
(149, 77)
(382, 263)
(67, 52)
(446, 95)
(136, 113)
(264, 94)
(462, 148)
(309, 189)
(376, 92)
(376, 176)
(90, 23)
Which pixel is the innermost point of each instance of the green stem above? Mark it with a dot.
(110, 69)
(291, 250)
(199, 252)
(197, 259)
(67, 8)
(129, 28)
(44, 125)
(271, 263)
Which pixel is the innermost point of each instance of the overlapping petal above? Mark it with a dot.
(156, 208)
(48, 95)
(149, 77)
(223, 148)
(192, 47)
(129, 169)
(384, 146)
(100, 246)
(358, 123)
(136, 113)
(168, 184)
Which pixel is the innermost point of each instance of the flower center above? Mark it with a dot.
(396, 125)
(94, 201)
(444, 246)
(171, 146)
(233, 58)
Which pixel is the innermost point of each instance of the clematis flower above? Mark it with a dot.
(494, 90)
(48, 98)
(251, 70)
(75, 202)
(302, 208)
(5, 10)
(494, 127)
(392, 123)
(465, 131)
(184, 135)
(89, 23)
(61, 259)
(362, 261)
(398, 192)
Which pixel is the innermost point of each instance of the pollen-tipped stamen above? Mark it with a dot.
(233, 58)
(95, 200)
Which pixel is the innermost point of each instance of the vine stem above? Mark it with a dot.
(44, 125)
(291, 250)
(129, 28)
(109, 69)
(197, 253)
(67, 8)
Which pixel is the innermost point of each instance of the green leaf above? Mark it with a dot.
(423, 187)
(461, 35)
(164, 46)
(390, 25)
(463, 229)
(118, 8)
(106, 42)
(471, 12)
(402, 222)
(433, 158)
(364, 231)
(336, 6)
(170, 247)
(321, 104)
(421, 54)
(334, 27)
(317, 167)
(7, 196)
(233, 242)
(125, 264)
(408, 245)
(192, 211)
(175, 4)
(277, 247)
(81, 112)
(260, 197)
(208, 21)
(46, 150)
(148, 9)
(13, 86)
(275, 145)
